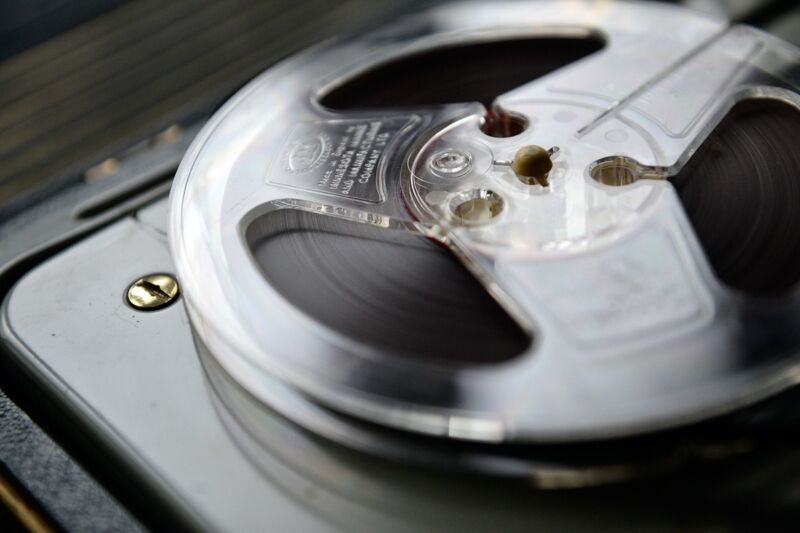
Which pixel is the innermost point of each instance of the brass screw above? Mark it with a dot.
(152, 292)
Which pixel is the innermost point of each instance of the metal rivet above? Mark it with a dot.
(152, 292)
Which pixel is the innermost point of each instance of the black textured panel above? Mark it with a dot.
(393, 290)
(741, 190)
(61, 487)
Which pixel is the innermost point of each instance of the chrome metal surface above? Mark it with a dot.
(136, 382)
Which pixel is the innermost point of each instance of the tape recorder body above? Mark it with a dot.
(483, 268)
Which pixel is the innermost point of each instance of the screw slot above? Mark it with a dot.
(152, 292)
(619, 170)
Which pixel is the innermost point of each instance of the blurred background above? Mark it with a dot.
(82, 79)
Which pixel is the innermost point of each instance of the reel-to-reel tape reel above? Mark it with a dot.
(494, 228)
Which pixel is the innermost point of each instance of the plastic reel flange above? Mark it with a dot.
(629, 329)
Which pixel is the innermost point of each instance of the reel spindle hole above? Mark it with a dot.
(503, 124)
(477, 206)
(616, 171)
